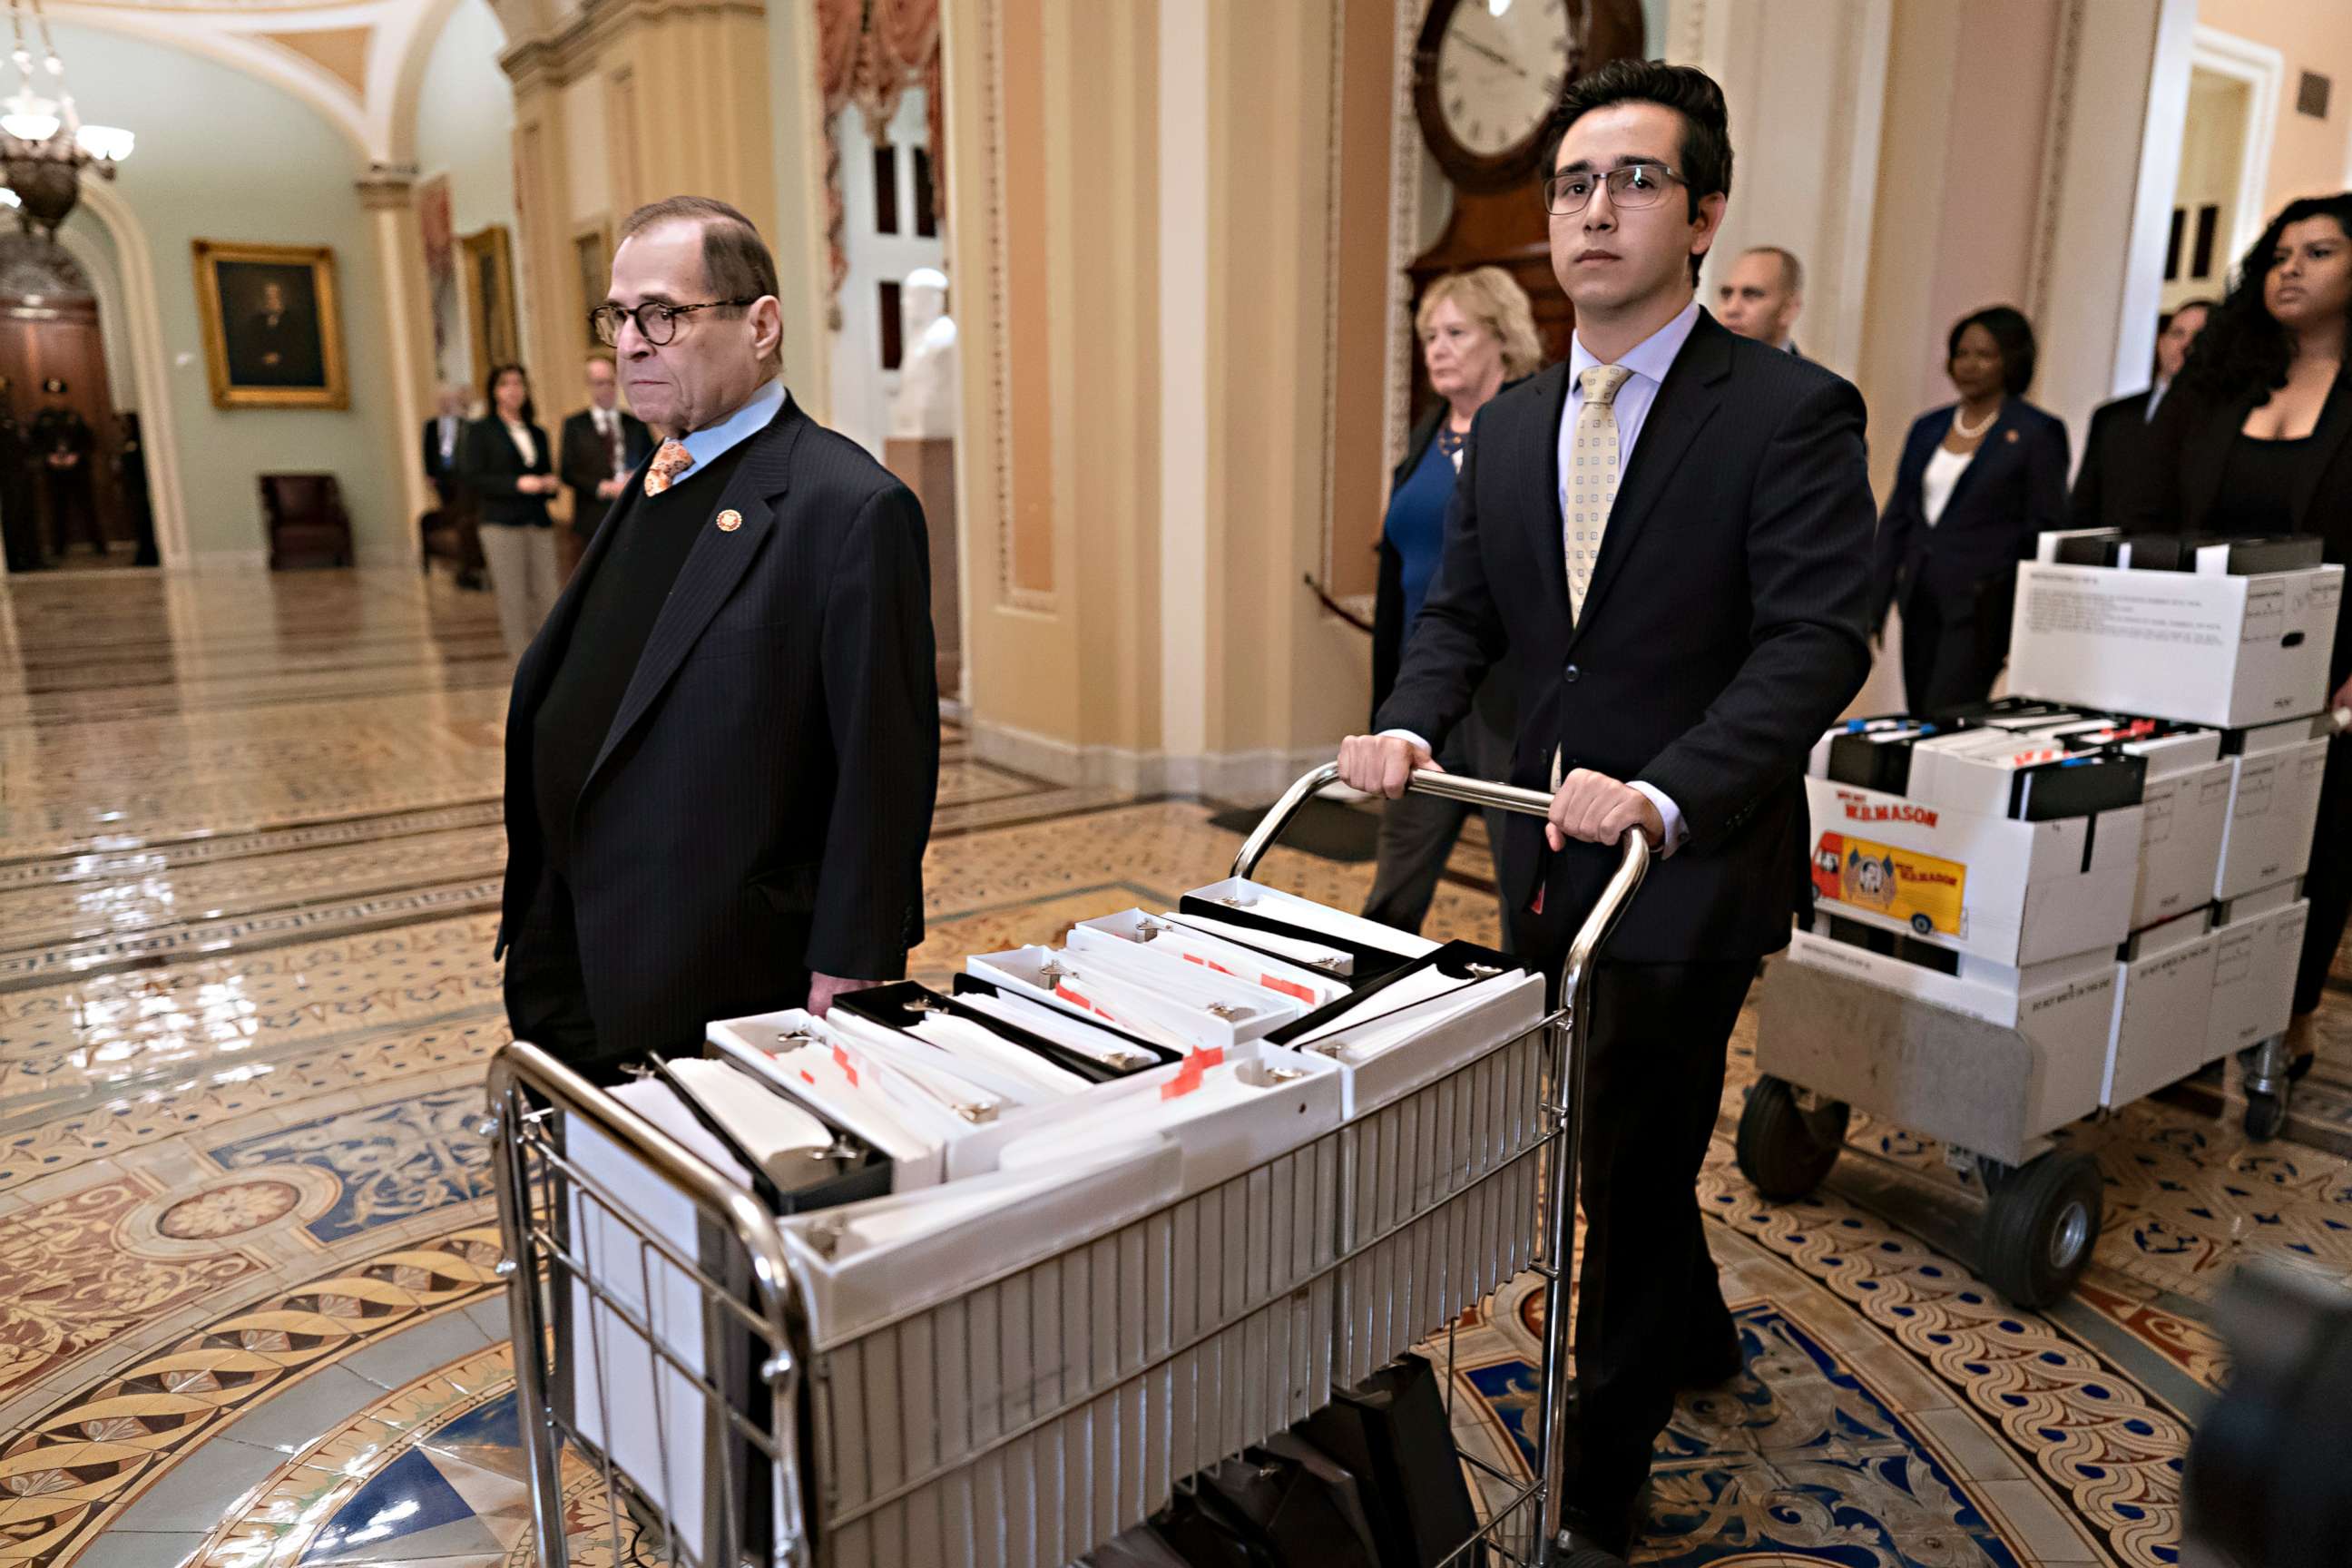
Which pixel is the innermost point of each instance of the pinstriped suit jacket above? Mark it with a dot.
(759, 805)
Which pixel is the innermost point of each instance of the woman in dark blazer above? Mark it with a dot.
(2258, 440)
(1477, 335)
(1979, 480)
(504, 461)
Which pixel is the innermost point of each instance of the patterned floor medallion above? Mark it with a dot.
(249, 852)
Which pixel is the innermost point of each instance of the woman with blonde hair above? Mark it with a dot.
(1477, 335)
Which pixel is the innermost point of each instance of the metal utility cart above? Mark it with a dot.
(1026, 1416)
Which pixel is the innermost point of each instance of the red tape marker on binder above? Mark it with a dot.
(1187, 1077)
(841, 1060)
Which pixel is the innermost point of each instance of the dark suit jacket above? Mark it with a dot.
(2191, 440)
(761, 800)
(1722, 633)
(2114, 449)
(443, 474)
(2013, 489)
(488, 465)
(584, 461)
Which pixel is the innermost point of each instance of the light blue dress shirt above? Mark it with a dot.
(755, 415)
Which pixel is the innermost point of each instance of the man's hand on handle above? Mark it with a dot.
(1596, 809)
(824, 988)
(1383, 765)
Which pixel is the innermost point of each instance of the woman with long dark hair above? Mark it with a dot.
(503, 458)
(1979, 479)
(2260, 442)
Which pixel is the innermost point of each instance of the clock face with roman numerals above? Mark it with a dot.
(1501, 64)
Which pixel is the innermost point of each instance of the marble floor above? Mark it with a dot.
(249, 855)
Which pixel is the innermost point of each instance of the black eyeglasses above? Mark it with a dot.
(656, 321)
(1633, 186)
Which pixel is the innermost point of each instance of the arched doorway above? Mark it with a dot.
(49, 331)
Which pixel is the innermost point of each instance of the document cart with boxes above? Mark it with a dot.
(982, 1276)
(2056, 903)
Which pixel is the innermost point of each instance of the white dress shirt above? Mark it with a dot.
(2155, 397)
(1649, 360)
(520, 436)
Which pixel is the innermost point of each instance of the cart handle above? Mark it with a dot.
(1631, 867)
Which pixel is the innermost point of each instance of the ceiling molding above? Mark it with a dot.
(342, 52)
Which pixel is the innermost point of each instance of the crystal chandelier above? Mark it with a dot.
(44, 145)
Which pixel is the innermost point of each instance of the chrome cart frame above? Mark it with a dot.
(1019, 1423)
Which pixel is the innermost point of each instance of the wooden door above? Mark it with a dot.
(61, 338)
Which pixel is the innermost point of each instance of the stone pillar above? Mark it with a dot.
(387, 195)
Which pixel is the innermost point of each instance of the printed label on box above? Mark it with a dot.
(2215, 788)
(2255, 790)
(2156, 822)
(2326, 591)
(2265, 611)
(1924, 893)
(2154, 612)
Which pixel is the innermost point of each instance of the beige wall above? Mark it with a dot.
(2308, 156)
(1169, 233)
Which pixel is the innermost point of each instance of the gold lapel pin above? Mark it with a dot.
(729, 520)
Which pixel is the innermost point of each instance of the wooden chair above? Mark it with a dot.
(306, 519)
(450, 533)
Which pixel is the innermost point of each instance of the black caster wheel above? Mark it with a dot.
(1785, 1149)
(2265, 1114)
(2040, 1225)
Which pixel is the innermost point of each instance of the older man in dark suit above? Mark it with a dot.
(1666, 541)
(723, 745)
(601, 447)
(2119, 450)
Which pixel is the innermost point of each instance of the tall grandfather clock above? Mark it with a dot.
(1486, 75)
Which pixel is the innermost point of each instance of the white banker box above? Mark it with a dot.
(2258, 941)
(2273, 808)
(2064, 1005)
(2015, 892)
(2164, 998)
(2213, 650)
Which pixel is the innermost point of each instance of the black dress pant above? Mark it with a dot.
(1950, 658)
(546, 994)
(1648, 1297)
(2329, 883)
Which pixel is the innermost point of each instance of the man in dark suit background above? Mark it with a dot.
(1762, 296)
(601, 447)
(1679, 639)
(723, 745)
(62, 444)
(2118, 447)
(443, 434)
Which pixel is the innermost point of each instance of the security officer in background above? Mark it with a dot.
(62, 441)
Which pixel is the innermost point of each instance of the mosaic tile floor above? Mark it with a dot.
(249, 850)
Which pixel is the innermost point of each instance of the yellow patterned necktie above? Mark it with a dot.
(672, 460)
(1589, 487)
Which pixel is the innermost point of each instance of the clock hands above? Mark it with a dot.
(1500, 58)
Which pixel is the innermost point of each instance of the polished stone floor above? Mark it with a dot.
(249, 852)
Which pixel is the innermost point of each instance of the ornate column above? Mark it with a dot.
(387, 195)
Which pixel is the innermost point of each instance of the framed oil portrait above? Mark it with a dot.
(591, 260)
(488, 272)
(273, 338)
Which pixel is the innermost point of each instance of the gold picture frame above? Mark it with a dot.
(592, 261)
(273, 332)
(488, 273)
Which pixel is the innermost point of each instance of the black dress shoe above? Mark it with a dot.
(1595, 1537)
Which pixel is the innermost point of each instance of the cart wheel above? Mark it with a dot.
(2265, 1114)
(1785, 1150)
(2039, 1226)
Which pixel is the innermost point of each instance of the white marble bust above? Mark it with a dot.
(925, 406)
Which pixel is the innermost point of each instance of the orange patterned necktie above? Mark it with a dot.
(672, 460)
